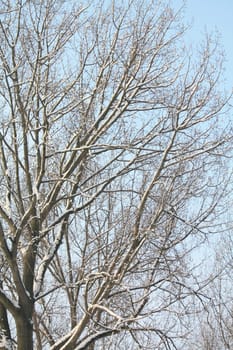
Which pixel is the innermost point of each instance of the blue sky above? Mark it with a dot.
(212, 15)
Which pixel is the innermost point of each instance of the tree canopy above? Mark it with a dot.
(113, 148)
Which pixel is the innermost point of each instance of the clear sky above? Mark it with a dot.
(212, 15)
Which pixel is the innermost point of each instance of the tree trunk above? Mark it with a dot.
(24, 334)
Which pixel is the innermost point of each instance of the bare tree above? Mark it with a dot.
(215, 326)
(113, 138)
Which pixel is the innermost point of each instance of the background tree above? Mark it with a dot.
(113, 139)
(215, 326)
